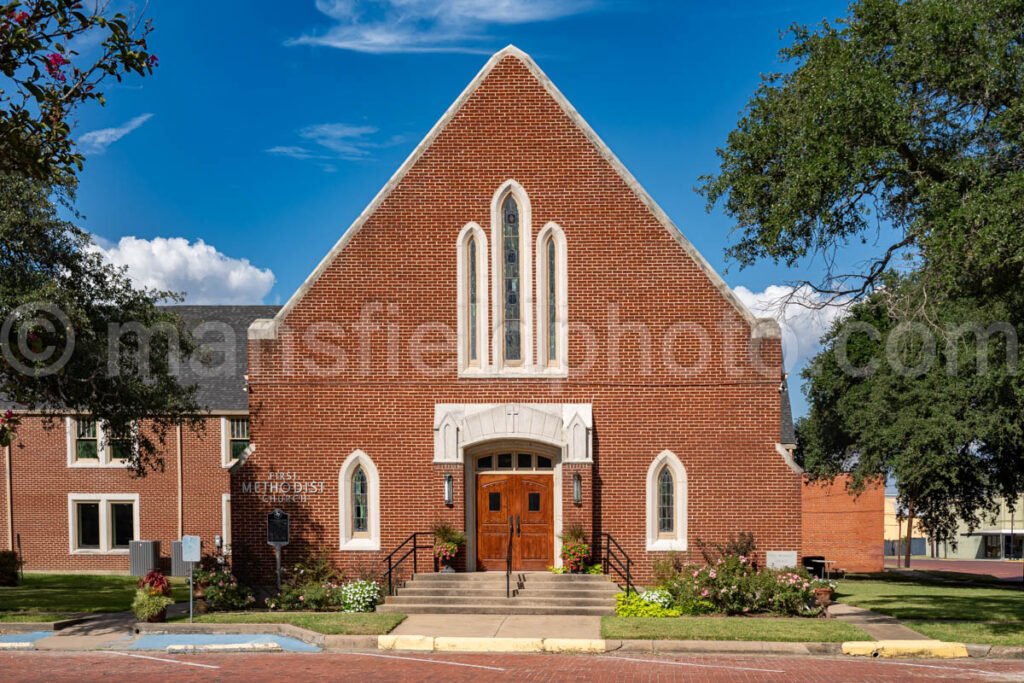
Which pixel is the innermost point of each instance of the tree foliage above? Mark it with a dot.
(937, 412)
(905, 119)
(47, 78)
(65, 344)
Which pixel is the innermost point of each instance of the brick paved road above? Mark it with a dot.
(305, 668)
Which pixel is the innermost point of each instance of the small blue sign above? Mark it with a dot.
(191, 549)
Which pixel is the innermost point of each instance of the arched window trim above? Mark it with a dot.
(552, 231)
(370, 540)
(677, 539)
(466, 367)
(511, 187)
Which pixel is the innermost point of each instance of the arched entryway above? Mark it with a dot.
(515, 492)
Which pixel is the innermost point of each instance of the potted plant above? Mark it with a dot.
(575, 549)
(152, 598)
(447, 541)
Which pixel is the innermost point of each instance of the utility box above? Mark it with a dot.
(143, 557)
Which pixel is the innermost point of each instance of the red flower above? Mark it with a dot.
(54, 61)
(20, 17)
(153, 61)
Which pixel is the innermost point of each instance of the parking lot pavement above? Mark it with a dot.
(375, 666)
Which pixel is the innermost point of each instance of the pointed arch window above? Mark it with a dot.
(511, 291)
(359, 503)
(666, 503)
(472, 299)
(552, 292)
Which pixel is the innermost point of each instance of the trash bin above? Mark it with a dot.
(815, 565)
(143, 557)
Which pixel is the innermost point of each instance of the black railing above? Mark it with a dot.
(415, 545)
(508, 560)
(623, 566)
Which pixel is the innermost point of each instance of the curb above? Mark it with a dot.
(327, 642)
(219, 649)
(467, 644)
(906, 648)
(16, 647)
(32, 626)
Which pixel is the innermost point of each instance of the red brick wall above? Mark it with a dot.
(842, 527)
(316, 395)
(42, 481)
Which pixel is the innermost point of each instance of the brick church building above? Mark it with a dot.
(513, 332)
(514, 329)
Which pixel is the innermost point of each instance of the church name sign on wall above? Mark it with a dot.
(283, 487)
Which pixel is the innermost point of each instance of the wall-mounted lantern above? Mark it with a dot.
(577, 489)
(449, 490)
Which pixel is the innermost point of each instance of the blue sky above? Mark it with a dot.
(269, 126)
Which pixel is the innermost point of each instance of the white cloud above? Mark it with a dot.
(97, 141)
(294, 152)
(387, 26)
(347, 142)
(198, 270)
(800, 315)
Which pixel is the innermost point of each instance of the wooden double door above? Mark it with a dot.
(521, 505)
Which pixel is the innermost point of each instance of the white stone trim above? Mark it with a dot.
(654, 541)
(511, 187)
(786, 451)
(567, 426)
(759, 327)
(483, 282)
(561, 368)
(104, 500)
(102, 446)
(225, 523)
(348, 541)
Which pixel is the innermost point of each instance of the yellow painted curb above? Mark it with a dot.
(574, 645)
(488, 644)
(905, 648)
(421, 643)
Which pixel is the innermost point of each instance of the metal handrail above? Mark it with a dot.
(393, 564)
(508, 560)
(624, 570)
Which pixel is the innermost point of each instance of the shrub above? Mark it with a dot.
(738, 545)
(637, 605)
(155, 583)
(10, 563)
(148, 605)
(360, 596)
(447, 541)
(575, 555)
(222, 590)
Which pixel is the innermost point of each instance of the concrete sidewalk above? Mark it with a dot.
(878, 626)
(499, 626)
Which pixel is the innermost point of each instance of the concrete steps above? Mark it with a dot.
(484, 593)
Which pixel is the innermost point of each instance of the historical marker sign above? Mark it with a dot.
(277, 527)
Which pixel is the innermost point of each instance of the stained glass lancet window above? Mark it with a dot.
(473, 299)
(359, 507)
(552, 278)
(511, 294)
(666, 502)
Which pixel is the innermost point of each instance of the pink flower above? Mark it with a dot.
(713, 574)
(20, 17)
(704, 593)
(54, 61)
(153, 61)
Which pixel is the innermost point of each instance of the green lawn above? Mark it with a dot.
(991, 633)
(915, 599)
(47, 594)
(15, 617)
(730, 628)
(330, 623)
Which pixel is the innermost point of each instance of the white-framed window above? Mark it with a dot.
(472, 299)
(89, 444)
(359, 503)
(234, 432)
(512, 279)
(666, 503)
(102, 523)
(552, 300)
